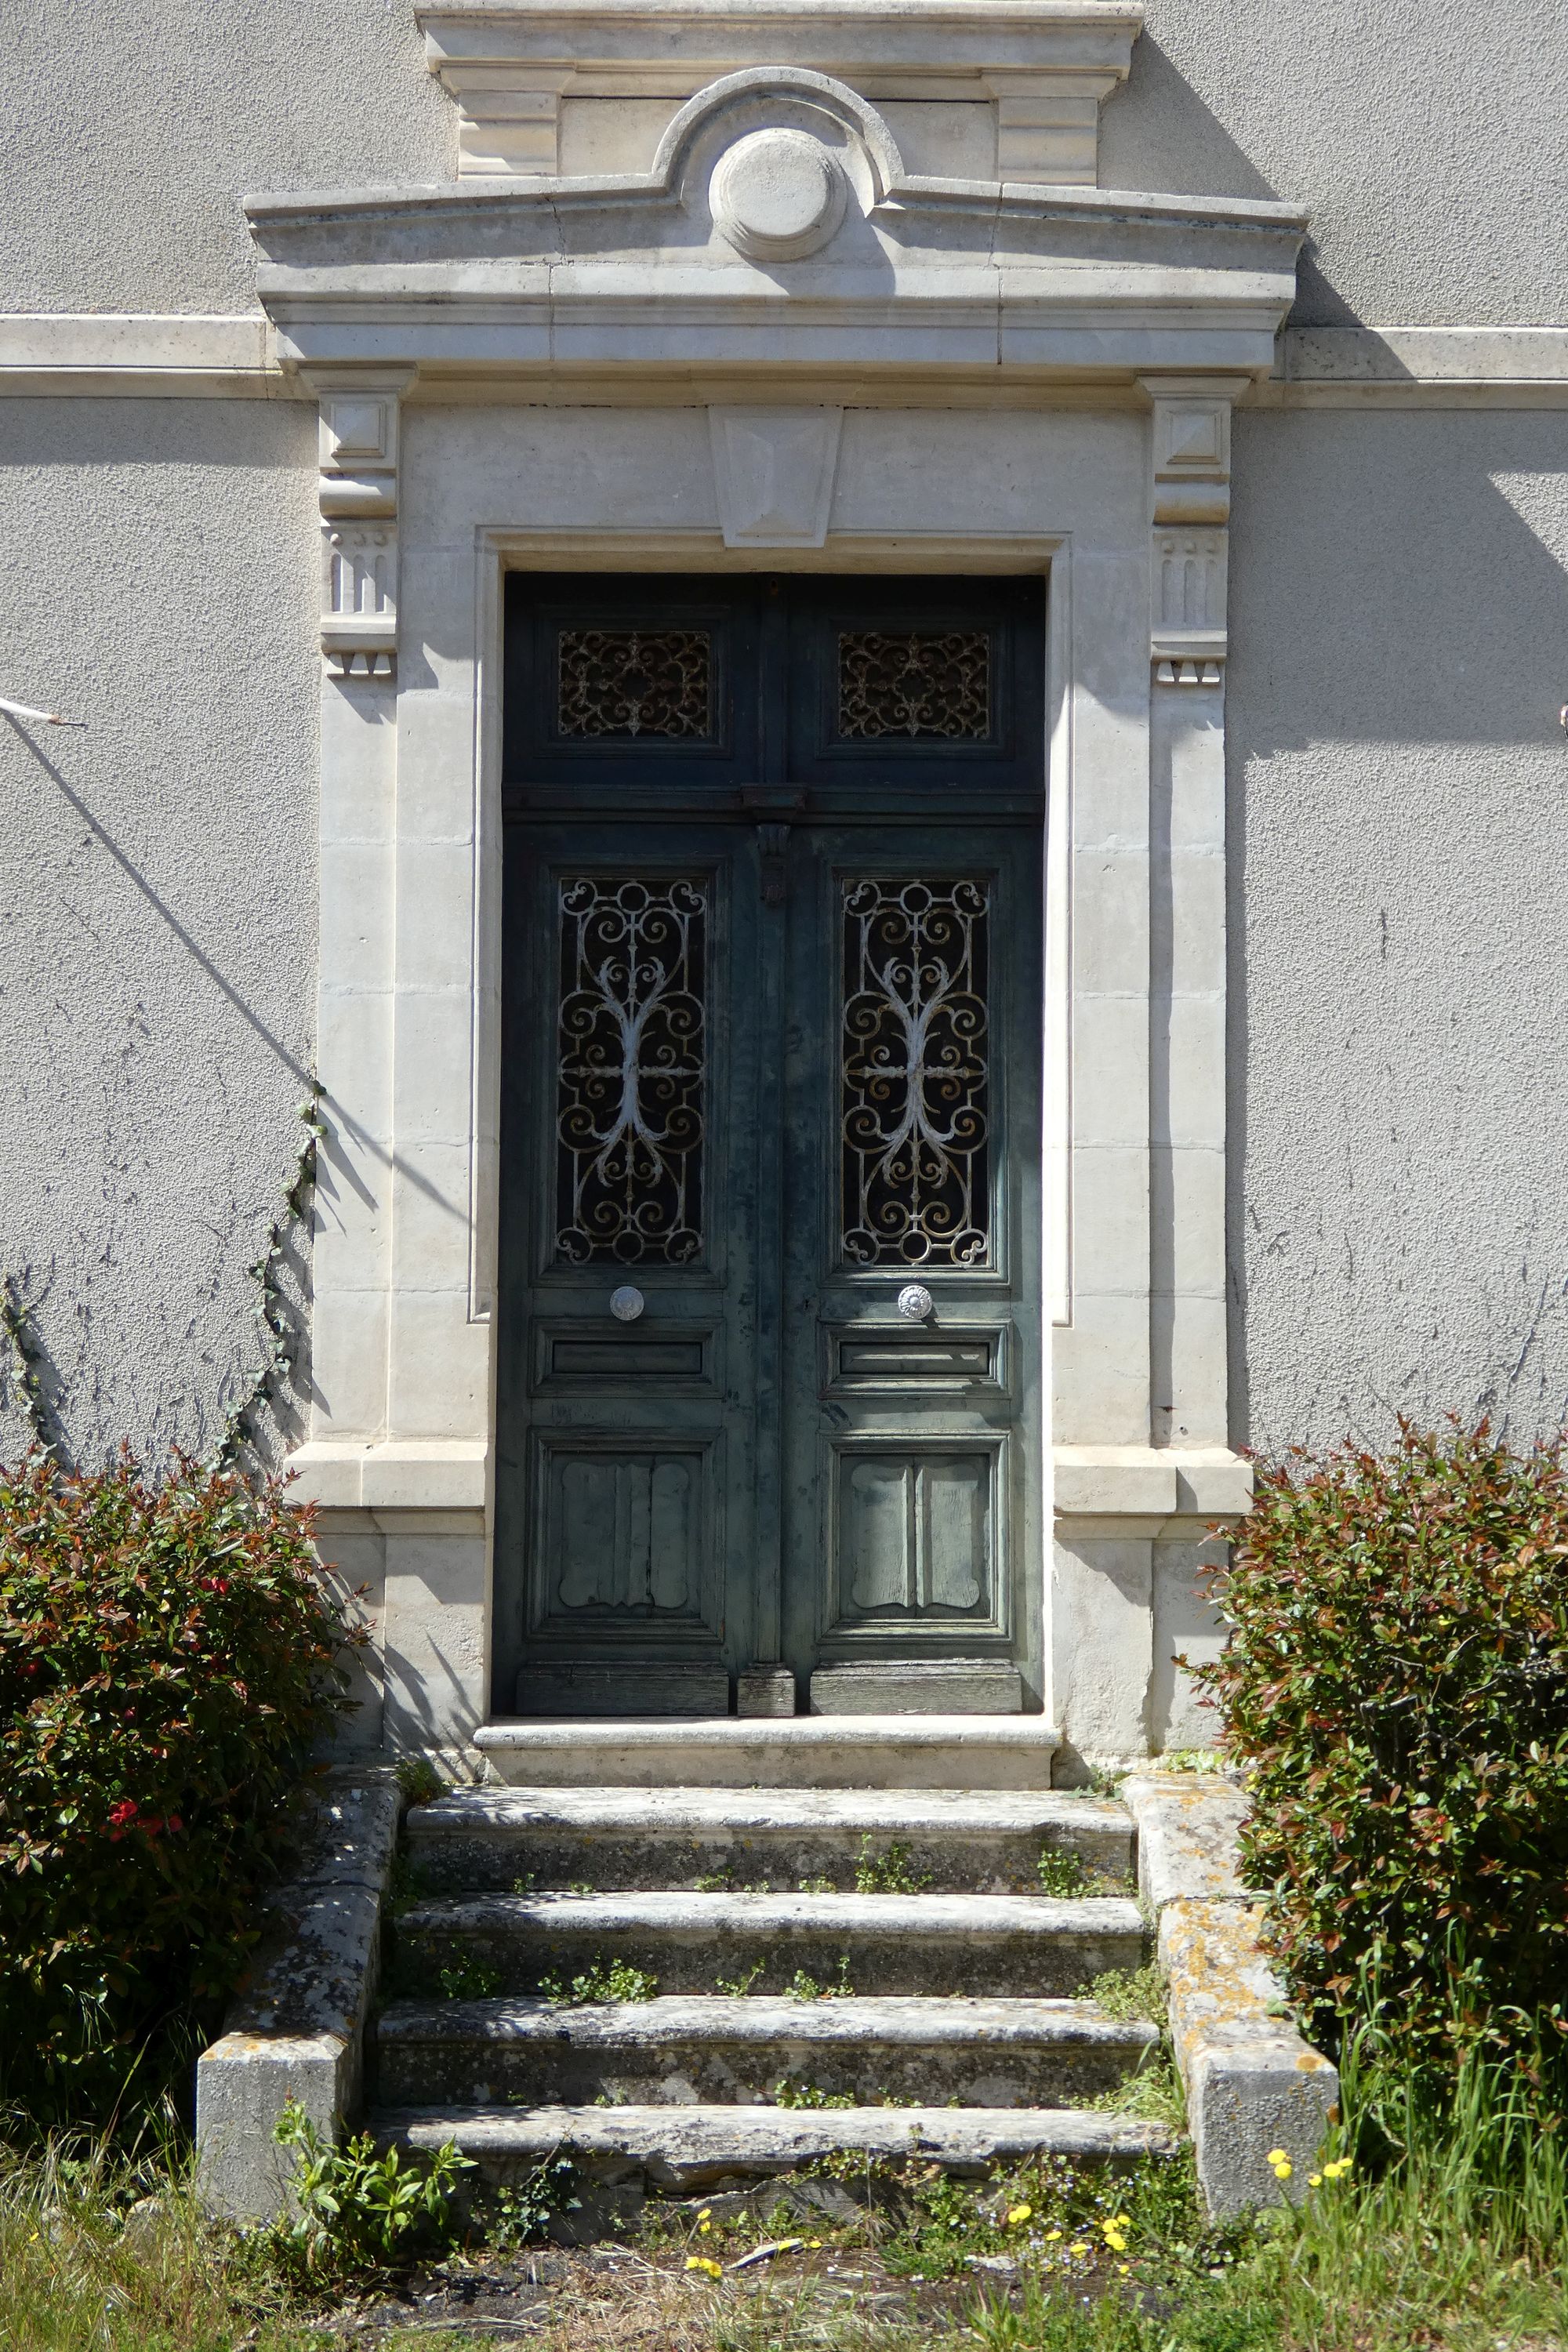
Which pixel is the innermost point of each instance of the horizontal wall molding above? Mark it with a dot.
(142, 355)
(137, 355)
(1418, 367)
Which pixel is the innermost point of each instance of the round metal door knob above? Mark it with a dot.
(915, 1302)
(626, 1303)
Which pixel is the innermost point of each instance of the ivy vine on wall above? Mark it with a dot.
(236, 1447)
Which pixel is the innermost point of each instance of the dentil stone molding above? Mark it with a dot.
(1189, 515)
(1046, 70)
(357, 494)
(773, 474)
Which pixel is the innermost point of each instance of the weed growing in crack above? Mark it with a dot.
(1128, 1993)
(521, 2215)
(738, 1987)
(802, 1987)
(1061, 1874)
(809, 2095)
(469, 1980)
(601, 1980)
(890, 1873)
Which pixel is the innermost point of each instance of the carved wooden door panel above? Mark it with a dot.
(627, 1487)
(912, 1276)
(771, 1048)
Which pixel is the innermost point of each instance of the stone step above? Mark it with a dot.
(863, 1751)
(683, 2149)
(710, 2050)
(887, 1943)
(988, 1842)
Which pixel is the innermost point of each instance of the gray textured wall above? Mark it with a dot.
(1429, 138)
(157, 888)
(1399, 831)
(130, 130)
(1398, 781)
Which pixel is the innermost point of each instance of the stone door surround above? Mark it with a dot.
(935, 376)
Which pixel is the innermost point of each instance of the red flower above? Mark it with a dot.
(125, 1811)
(214, 1584)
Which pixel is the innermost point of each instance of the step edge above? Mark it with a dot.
(503, 2020)
(1028, 1731)
(596, 2129)
(1039, 1915)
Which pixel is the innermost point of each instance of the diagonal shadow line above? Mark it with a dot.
(349, 1127)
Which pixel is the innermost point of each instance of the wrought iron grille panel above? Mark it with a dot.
(915, 685)
(632, 1070)
(915, 1087)
(635, 682)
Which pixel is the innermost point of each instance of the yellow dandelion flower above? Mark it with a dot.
(1080, 2246)
(703, 2228)
(814, 2245)
(705, 2263)
(1283, 2171)
(1123, 2269)
(1314, 2179)
(1051, 2235)
(1278, 2156)
(1017, 2213)
(706, 2214)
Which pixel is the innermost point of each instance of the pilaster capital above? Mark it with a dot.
(1189, 511)
(357, 436)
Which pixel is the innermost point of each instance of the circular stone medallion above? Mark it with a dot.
(778, 195)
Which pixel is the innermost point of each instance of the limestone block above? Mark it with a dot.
(353, 1835)
(1252, 2082)
(243, 2084)
(1187, 1824)
(297, 2031)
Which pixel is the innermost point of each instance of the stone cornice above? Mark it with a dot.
(1045, 70)
(945, 274)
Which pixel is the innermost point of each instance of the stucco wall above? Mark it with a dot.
(133, 130)
(1428, 137)
(1399, 836)
(157, 888)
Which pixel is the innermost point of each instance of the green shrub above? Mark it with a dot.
(167, 1660)
(358, 2208)
(1396, 1684)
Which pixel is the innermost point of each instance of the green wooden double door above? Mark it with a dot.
(769, 1391)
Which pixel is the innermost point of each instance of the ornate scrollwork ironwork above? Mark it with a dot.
(635, 682)
(915, 684)
(632, 1070)
(915, 1114)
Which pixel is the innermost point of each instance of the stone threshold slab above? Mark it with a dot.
(962, 1752)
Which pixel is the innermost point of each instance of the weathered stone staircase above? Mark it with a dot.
(727, 1855)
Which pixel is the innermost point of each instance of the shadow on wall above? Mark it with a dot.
(1393, 579)
(1158, 134)
(1398, 827)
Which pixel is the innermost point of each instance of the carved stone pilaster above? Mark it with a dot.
(358, 498)
(1189, 513)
